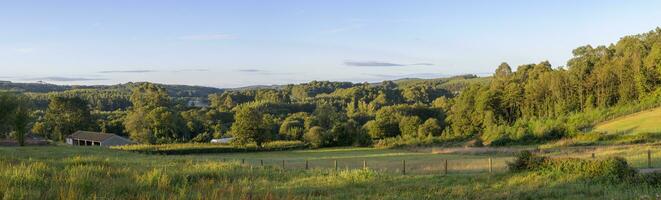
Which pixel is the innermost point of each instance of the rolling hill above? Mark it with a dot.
(648, 121)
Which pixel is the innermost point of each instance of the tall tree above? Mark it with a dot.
(8, 106)
(66, 115)
(248, 126)
(151, 119)
(21, 123)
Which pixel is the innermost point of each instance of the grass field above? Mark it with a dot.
(61, 172)
(648, 121)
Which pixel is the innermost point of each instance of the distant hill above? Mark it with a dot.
(173, 90)
(454, 84)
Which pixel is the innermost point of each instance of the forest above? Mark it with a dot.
(533, 103)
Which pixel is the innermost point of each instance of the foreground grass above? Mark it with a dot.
(84, 173)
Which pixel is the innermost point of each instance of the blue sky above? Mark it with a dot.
(240, 43)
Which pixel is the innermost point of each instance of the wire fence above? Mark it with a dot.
(640, 160)
(419, 166)
(403, 166)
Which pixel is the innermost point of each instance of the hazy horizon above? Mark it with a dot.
(236, 44)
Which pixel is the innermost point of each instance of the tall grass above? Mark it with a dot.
(88, 173)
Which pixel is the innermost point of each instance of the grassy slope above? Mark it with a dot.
(82, 173)
(648, 121)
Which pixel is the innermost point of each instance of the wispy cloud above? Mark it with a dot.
(63, 79)
(371, 64)
(250, 70)
(381, 64)
(140, 71)
(263, 72)
(206, 37)
(126, 71)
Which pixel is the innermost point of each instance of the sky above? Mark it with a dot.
(255, 42)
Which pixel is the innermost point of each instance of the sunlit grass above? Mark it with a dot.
(86, 173)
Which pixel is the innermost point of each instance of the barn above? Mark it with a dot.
(87, 138)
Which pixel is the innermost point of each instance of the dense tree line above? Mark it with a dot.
(532, 103)
(535, 102)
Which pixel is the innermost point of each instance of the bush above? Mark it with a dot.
(612, 169)
(609, 170)
(316, 137)
(430, 127)
(653, 179)
(525, 161)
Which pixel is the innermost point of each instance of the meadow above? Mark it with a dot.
(62, 172)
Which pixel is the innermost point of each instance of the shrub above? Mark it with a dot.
(316, 137)
(609, 170)
(524, 161)
(612, 169)
(653, 179)
(430, 127)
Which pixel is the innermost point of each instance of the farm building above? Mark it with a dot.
(86, 138)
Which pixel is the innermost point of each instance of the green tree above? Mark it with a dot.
(165, 126)
(151, 119)
(430, 127)
(503, 71)
(14, 116)
(293, 127)
(248, 126)
(8, 106)
(408, 126)
(66, 115)
(21, 123)
(316, 137)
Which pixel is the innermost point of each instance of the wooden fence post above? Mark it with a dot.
(283, 164)
(243, 161)
(306, 164)
(592, 155)
(261, 163)
(335, 163)
(445, 168)
(649, 158)
(490, 165)
(364, 164)
(404, 167)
